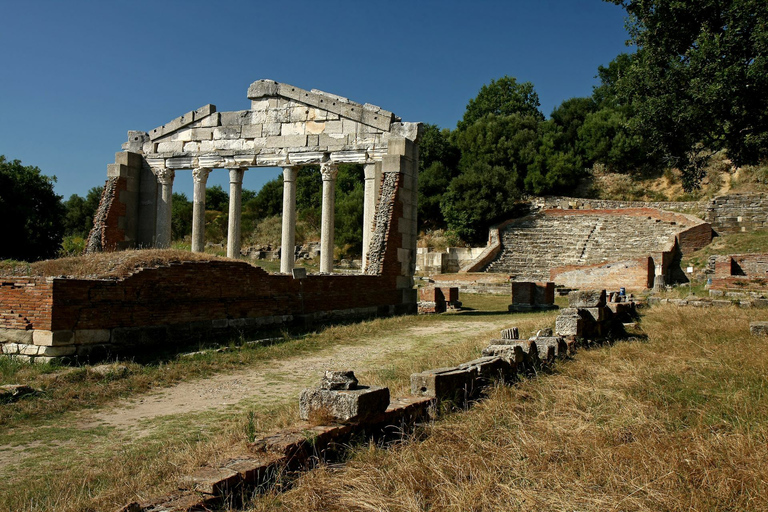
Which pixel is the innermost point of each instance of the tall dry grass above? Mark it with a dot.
(678, 421)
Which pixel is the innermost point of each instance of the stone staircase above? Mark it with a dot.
(532, 245)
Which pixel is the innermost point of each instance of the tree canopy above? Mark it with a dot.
(699, 80)
(32, 213)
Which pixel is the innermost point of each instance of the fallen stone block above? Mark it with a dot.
(214, 481)
(758, 328)
(586, 299)
(491, 368)
(510, 352)
(569, 325)
(557, 343)
(352, 405)
(443, 382)
(339, 380)
(511, 333)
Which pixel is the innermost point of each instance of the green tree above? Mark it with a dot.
(502, 97)
(699, 80)
(32, 212)
(181, 216)
(217, 199)
(79, 212)
(438, 165)
(495, 154)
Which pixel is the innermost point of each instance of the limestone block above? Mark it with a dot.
(29, 350)
(292, 129)
(758, 328)
(10, 348)
(443, 382)
(288, 141)
(15, 335)
(226, 132)
(170, 147)
(52, 338)
(344, 405)
(90, 336)
(332, 141)
(569, 326)
(278, 116)
(334, 127)
(210, 121)
(491, 367)
(235, 118)
(313, 127)
(586, 299)
(191, 147)
(57, 351)
(251, 131)
(339, 380)
(594, 314)
(556, 342)
(214, 481)
(181, 162)
(512, 353)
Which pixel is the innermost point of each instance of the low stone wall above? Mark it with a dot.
(633, 275)
(449, 261)
(738, 213)
(577, 203)
(480, 282)
(57, 317)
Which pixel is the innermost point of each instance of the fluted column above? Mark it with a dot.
(288, 244)
(163, 223)
(200, 177)
(235, 195)
(370, 200)
(329, 172)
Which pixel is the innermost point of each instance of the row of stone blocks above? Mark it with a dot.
(43, 346)
(590, 315)
(340, 409)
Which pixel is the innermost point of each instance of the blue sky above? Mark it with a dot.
(77, 75)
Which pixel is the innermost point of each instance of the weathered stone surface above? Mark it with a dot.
(344, 405)
(53, 338)
(758, 328)
(109, 370)
(338, 380)
(586, 299)
(15, 336)
(556, 342)
(443, 382)
(511, 333)
(214, 481)
(569, 326)
(490, 367)
(510, 352)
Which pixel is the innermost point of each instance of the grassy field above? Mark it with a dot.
(55, 456)
(674, 420)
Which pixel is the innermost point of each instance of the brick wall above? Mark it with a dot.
(189, 292)
(26, 302)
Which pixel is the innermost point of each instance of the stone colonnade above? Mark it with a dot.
(329, 171)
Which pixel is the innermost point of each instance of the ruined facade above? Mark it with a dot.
(285, 127)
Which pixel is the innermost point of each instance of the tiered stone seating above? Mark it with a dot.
(531, 246)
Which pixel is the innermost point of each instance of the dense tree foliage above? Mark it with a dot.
(699, 80)
(32, 213)
(79, 212)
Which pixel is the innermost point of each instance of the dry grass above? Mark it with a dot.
(106, 265)
(678, 422)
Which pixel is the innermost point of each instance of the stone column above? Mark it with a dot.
(329, 172)
(288, 244)
(200, 176)
(370, 200)
(235, 193)
(163, 223)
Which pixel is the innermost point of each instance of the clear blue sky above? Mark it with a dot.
(77, 75)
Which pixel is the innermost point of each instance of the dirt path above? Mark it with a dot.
(273, 382)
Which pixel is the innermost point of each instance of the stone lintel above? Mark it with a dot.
(344, 405)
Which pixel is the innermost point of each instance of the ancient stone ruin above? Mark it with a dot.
(285, 126)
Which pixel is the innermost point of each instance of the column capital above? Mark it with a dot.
(164, 175)
(329, 171)
(200, 174)
(236, 175)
